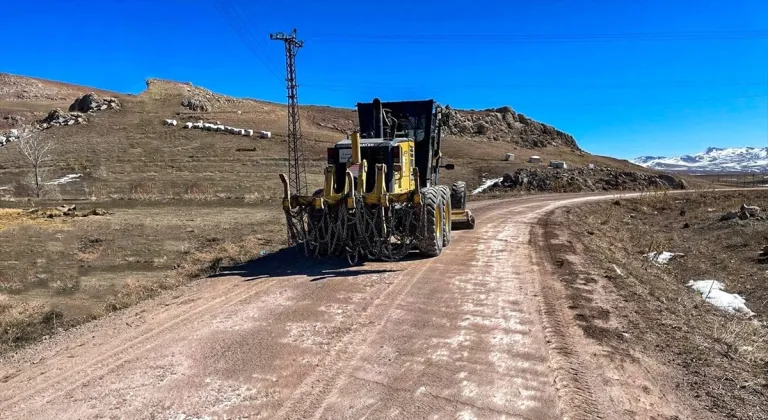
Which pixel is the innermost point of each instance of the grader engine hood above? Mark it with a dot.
(413, 119)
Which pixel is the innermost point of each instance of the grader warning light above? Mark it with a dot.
(381, 197)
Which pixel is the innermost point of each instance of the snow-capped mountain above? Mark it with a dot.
(714, 159)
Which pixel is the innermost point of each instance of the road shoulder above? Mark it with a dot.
(592, 345)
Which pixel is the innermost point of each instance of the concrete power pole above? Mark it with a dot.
(297, 170)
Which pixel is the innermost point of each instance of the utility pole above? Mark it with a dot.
(297, 170)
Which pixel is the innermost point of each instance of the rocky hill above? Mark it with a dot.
(498, 124)
(505, 125)
(21, 88)
(714, 159)
(122, 145)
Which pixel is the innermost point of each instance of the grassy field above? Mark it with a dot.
(632, 305)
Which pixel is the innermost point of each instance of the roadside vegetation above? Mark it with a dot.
(628, 302)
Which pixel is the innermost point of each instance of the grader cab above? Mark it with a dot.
(381, 197)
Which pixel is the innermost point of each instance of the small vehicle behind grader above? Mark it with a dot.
(381, 197)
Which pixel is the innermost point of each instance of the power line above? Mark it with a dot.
(541, 38)
(631, 102)
(242, 32)
(256, 40)
(494, 86)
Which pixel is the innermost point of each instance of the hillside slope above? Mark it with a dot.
(129, 151)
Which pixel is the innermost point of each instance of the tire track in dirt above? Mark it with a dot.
(122, 351)
(573, 389)
(313, 392)
(325, 389)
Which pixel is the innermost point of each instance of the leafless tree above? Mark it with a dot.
(37, 150)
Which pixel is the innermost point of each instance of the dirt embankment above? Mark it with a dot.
(643, 313)
(585, 179)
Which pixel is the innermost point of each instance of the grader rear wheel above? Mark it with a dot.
(431, 245)
(447, 206)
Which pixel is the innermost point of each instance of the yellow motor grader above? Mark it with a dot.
(381, 197)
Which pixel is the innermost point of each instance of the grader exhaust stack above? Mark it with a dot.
(381, 196)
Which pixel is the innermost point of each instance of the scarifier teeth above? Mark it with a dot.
(350, 228)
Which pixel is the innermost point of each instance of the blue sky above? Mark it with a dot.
(626, 78)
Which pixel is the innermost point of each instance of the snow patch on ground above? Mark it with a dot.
(712, 291)
(65, 179)
(662, 257)
(487, 184)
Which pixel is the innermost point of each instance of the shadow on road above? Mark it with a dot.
(290, 262)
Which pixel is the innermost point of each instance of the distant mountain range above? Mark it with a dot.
(714, 159)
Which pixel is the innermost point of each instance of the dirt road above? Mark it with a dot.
(465, 335)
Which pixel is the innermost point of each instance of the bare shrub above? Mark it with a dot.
(97, 192)
(144, 191)
(100, 172)
(22, 322)
(255, 197)
(65, 286)
(37, 151)
(199, 191)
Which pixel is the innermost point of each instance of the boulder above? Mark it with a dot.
(673, 182)
(91, 102)
(749, 211)
(197, 103)
(57, 118)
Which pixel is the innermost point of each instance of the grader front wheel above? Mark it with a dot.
(431, 244)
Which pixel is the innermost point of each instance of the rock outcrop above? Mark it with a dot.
(12, 120)
(583, 179)
(194, 98)
(197, 103)
(9, 136)
(505, 125)
(92, 102)
(58, 118)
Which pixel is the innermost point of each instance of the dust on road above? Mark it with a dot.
(463, 335)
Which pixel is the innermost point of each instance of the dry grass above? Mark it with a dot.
(83, 268)
(720, 359)
(23, 321)
(10, 218)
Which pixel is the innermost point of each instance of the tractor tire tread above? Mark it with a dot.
(459, 195)
(447, 206)
(431, 245)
